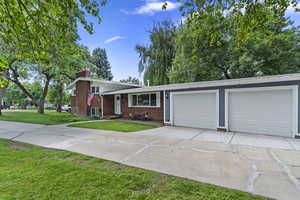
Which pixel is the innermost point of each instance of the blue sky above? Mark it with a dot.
(126, 24)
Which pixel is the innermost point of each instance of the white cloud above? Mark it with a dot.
(125, 11)
(153, 6)
(291, 9)
(113, 39)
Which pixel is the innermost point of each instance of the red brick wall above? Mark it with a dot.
(83, 73)
(108, 105)
(155, 113)
(96, 102)
(73, 103)
(82, 91)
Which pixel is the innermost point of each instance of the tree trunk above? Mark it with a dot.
(41, 105)
(26, 92)
(0, 104)
(1, 97)
(15, 78)
(60, 97)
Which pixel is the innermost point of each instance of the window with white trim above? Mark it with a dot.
(95, 112)
(95, 89)
(144, 100)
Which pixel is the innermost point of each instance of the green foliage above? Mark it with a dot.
(41, 34)
(72, 63)
(115, 126)
(132, 80)
(199, 58)
(49, 118)
(102, 66)
(249, 15)
(53, 95)
(156, 59)
(40, 28)
(15, 96)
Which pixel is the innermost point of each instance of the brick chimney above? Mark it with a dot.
(84, 74)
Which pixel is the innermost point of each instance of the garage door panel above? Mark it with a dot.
(266, 112)
(195, 110)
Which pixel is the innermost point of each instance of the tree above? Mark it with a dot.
(39, 34)
(132, 80)
(2, 90)
(3, 83)
(15, 96)
(156, 59)
(71, 65)
(38, 28)
(100, 60)
(58, 96)
(200, 59)
(250, 15)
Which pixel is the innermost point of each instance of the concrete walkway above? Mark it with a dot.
(269, 166)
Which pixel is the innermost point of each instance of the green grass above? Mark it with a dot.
(49, 118)
(30, 172)
(115, 126)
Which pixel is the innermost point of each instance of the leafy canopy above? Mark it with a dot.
(250, 14)
(156, 58)
(37, 28)
(199, 59)
(102, 67)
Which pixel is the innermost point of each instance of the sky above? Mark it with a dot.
(125, 24)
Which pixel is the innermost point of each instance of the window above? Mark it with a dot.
(95, 90)
(73, 92)
(144, 100)
(95, 112)
(153, 99)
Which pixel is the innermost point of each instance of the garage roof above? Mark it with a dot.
(202, 84)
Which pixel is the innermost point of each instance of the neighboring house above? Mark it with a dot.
(263, 105)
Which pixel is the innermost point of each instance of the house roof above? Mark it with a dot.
(202, 84)
(102, 81)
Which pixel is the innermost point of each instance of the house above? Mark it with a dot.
(263, 105)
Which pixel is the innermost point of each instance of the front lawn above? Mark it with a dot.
(49, 118)
(30, 172)
(115, 126)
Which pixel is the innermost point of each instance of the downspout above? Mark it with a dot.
(102, 106)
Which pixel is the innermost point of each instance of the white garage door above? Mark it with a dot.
(197, 110)
(265, 111)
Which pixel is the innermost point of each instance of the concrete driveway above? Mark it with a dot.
(269, 166)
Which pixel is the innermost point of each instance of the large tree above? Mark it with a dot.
(102, 66)
(41, 27)
(63, 70)
(39, 34)
(71, 65)
(58, 96)
(199, 58)
(250, 14)
(156, 59)
(15, 96)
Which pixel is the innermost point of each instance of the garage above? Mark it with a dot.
(270, 111)
(194, 109)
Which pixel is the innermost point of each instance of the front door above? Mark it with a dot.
(118, 104)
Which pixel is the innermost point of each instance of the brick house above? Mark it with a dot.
(263, 105)
(90, 97)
